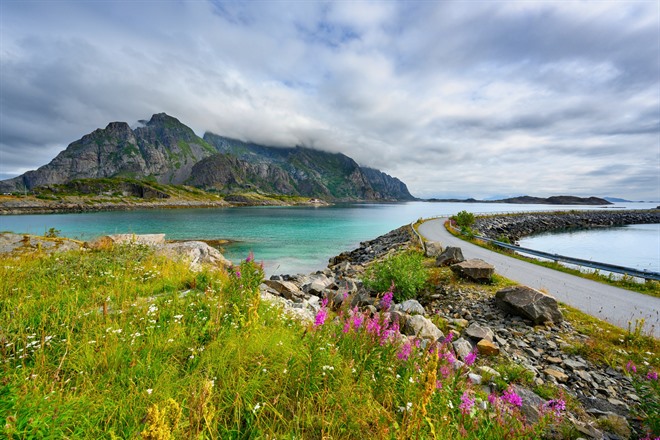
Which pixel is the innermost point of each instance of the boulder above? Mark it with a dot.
(145, 239)
(317, 284)
(531, 403)
(433, 249)
(475, 269)
(475, 331)
(422, 327)
(488, 348)
(462, 348)
(411, 307)
(196, 253)
(529, 303)
(451, 255)
(287, 289)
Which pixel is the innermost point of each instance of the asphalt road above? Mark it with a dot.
(612, 304)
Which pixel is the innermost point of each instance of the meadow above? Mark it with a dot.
(119, 343)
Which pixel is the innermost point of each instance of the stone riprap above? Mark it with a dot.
(516, 226)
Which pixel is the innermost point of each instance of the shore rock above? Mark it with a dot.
(475, 269)
(451, 255)
(433, 248)
(422, 327)
(529, 303)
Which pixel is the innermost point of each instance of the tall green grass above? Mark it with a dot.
(119, 343)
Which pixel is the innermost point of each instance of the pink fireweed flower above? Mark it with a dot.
(445, 371)
(438, 384)
(404, 353)
(510, 397)
(386, 302)
(470, 358)
(492, 399)
(630, 367)
(556, 406)
(466, 403)
(347, 327)
(238, 274)
(373, 326)
(652, 375)
(321, 316)
(448, 338)
(250, 257)
(324, 303)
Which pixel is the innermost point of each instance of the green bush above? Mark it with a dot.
(464, 219)
(405, 270)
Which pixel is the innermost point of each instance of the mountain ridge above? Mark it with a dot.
(167, 151)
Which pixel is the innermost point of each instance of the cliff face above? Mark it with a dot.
(312, 173)
(167, 151)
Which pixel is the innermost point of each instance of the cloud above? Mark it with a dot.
(454, 99)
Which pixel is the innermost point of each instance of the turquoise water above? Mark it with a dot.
(636, 246)
(286, 239)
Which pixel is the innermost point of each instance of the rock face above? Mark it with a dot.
(474, 269)
(529, 303)
(433, 249)
(294, 171)
(167, 151)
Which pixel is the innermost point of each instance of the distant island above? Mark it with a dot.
(529, 200)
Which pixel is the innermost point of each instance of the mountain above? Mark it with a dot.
(297, 171)
(166, 151)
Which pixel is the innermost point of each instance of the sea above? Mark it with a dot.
(301, 239)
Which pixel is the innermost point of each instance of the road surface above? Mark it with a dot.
(612, 304)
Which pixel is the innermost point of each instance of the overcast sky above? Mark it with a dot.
(457, 99)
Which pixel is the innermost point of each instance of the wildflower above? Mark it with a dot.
(404, 353)
(510, 397)
(256, 408)
(320, 318)
(238, 274)
(358, 318)
(630, 367)
(492, 399)
(386, 301)
(466, 403)
(445, 371)
(449, 338)
(150, 390)
(347, 327)
(652, 375)
(438, 384)
(556, 405)
(250, 257)
(470, 358)
(373, 326)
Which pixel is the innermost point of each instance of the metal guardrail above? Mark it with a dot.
(645, 274)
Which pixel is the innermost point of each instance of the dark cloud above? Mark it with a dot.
(453, 98)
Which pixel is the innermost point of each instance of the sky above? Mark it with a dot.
(457, 99)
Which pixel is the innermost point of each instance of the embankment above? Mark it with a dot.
(516, 226)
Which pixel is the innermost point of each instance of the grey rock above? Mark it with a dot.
(475, 269)
(433, 248)
(196, 253)
(529, 303)
(422, 327)
(478, 332)
(144, 239)
(462, 348)
(411, 307)
(287, 289)
(531, 403)
(451, 255)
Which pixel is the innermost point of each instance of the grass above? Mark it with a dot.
(649, 287)
(119, 343)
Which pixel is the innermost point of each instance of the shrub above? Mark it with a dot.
(405, 270)
(464, 219)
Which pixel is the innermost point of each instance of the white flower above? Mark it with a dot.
(256, 408)
(150, 390)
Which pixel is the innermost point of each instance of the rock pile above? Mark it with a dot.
(515, 226)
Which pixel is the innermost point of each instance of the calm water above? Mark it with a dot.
(636, 246)
(288, 240)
